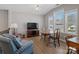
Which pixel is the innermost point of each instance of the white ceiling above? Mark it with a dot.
(28, 8)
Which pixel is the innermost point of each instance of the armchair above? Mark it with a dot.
(8, 46)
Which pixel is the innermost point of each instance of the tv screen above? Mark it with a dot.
(31, 25)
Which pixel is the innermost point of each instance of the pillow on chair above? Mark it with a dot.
(18, 43)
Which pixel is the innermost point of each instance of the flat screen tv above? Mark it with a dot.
(31, 25)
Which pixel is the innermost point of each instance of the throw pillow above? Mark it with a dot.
(18, 43)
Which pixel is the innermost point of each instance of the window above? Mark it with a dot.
(71, 22)
(50, 23)
(59, 22)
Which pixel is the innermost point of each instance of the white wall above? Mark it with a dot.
(21, 19)
(3, 20)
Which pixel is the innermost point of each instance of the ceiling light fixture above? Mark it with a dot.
(37, 7)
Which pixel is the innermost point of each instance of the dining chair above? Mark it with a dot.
(44, 36)
(70, 48)
(55, 37)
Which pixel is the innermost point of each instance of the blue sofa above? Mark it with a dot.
(8, 46)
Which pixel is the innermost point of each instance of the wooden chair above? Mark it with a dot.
(45, 37)
(42, 36)
(70, 48)
(55, 37)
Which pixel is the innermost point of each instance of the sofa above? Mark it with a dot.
(10, 44)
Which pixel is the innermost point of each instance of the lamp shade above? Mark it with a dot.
(13, 25)
(13, 28)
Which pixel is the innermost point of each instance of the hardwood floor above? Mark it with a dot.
(41, 48)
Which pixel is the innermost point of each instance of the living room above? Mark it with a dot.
(32, 24)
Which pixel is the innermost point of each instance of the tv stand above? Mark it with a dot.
(32, 32)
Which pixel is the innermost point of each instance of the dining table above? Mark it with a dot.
(74, 42)
(46, 36)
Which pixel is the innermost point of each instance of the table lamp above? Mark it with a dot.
(13, 28)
